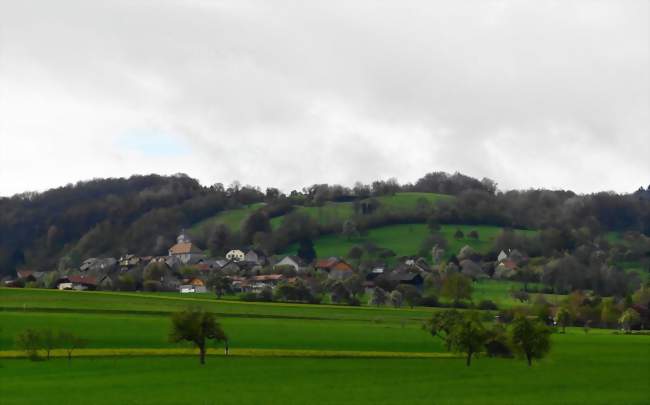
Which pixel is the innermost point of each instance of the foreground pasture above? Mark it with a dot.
(593, 369)
(285, 353)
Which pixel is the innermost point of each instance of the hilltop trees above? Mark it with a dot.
(197, 327)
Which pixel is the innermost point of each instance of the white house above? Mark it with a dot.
(290, 261)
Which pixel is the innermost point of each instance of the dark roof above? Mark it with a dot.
(404, 276)
(85, 280)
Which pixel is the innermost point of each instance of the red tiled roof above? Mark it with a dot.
(342, 266)
(87, 280)
(182, 248)
(328, 263)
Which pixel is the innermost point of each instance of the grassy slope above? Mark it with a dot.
(406, 239)
(231, 218)
(335, 212)
(598, 368)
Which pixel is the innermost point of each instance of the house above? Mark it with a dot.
(472, 269)
(235, 255)
(332, 263)
(290, 261)
(128, 261)
(258, 283)
(505, 269)
(411, 278)
(341, 270)
(255, 256)
(77, 282)
(502, 256)
(193, 285)
(106, 264)
(185, 251)
(26, 276)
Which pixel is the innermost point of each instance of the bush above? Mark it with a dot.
(488, 305)
(152, 285)
(429, 301)
(248, 296)
(354, 301)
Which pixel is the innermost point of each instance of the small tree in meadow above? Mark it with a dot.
(441, 325)
(49, 341)
(70, 342)
(29, 341)
(468, 336)
(459, 234)
(197, 327)
(530, 338)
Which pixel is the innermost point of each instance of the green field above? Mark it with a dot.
(231, 218)
(405, 240)
(290, 353)
(325, 214)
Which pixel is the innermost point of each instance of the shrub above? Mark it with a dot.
(152, 285)
(487, 305)
(430, 301)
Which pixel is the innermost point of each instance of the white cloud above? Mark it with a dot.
(550, 94)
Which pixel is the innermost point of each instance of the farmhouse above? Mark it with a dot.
(77, 282)
(336, 267)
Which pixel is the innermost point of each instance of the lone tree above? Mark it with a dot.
(29, 341)
(459, 234)
(457, 287)
(462, 333)
(468, 336)
(197, 327)
(69, 342)
(473, 234)
(441, 325)
(530, 338)
(563, 318)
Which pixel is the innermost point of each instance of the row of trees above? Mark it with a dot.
(32, 341)
(466, 333)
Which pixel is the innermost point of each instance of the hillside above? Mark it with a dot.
(405, 239)
(142, 215)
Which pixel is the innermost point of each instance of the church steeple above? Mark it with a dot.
(182, 238)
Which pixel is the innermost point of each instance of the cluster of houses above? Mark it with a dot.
(187, 269)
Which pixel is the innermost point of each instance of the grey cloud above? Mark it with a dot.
(285, 93)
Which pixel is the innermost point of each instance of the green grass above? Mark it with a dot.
(231, 218)
(339, 212)
(594, 368)
(405, 240)
(499, 292)
(104, 330)
(599, 368)
(154, 304)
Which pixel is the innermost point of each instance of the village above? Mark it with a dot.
(256, 276)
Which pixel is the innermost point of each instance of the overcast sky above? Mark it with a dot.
(271, 93)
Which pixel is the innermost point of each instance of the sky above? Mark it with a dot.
(531, 94)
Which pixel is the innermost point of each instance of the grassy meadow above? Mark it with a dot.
(405, 239)
(291, 353)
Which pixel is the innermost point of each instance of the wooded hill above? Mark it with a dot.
(143, 214)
